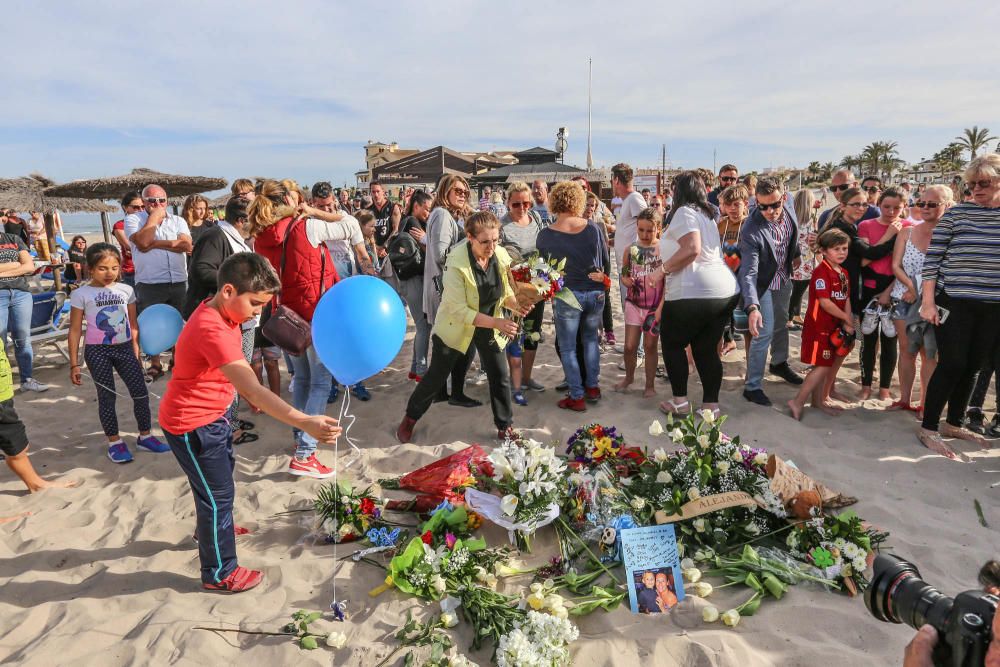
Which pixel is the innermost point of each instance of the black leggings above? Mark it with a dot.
(799, 289)
(870, 345)
(444, 361)
(965, 342)
(698, 323)
(102, 361)
(609, 322)
(988, 372)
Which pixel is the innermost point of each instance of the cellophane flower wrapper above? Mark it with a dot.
(444, 479)
(346, 515)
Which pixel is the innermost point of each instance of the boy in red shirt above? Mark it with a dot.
(829, 308)
(208, 367)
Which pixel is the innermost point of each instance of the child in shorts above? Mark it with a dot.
(209, 367)
(829, 309)
(644, 285)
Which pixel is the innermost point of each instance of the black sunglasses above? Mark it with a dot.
(839, 188)
(728, 179)
(926, 204)
(871, 188)
(156, 200)
(982, 184)
(767, 207)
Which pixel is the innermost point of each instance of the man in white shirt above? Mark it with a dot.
(633, 203)
(160, 245)
(540, 193)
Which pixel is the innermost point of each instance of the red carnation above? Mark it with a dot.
(367, 506)
(427, 537)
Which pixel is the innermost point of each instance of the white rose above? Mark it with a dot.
(737, 456)
(508, 504)
(723, 467)
(699, 525)
(345, 530)
(336, 640)
(659, 455)
(691, 575)
(703, 440)
(656, 428)
(707, 415)
(687, 564)
(677, 435)
(760, 459)
(449, 620)
(702, 589)
(535, 587)
(438, 583)
(664, 477)
(710, 614)
(638, 503)
(753, 529)
(731, 618)
(694, 493)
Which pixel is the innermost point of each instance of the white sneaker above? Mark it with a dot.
(870, 318)
(479, 378)
(620, 348)
(888, 328)
(31, 384)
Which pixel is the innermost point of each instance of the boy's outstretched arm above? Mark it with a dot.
(323, 428)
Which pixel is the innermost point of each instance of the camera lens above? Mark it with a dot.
(897, 594)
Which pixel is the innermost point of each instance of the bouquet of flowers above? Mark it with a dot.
(838, 546)
(344, 514)
(595, 444)
(708, 463)
(443, 479)
(530, 477)
(546, 276)
(540, 640)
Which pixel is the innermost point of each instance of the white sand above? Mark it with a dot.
(107, 574)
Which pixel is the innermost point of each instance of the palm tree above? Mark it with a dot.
(826, 171)
(813, 170)
(973, 139)
(950, 158)
(851, 162)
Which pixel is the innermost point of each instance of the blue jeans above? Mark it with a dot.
(774, 314)
(15, 316)
(412, 291)
(345, 269)
(568, 322)
(312, 388)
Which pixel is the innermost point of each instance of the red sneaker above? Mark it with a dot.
(310, 467)
(239, 580)
(575, 404)
(593, 394)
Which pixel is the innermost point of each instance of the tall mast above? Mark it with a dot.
(590, 85)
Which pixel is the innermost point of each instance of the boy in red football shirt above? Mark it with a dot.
(208, 367)
(829, 308)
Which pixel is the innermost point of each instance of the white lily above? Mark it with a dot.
(508, 504)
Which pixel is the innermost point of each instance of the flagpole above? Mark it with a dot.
(590, 86)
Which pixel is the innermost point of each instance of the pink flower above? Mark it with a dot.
(449, 540)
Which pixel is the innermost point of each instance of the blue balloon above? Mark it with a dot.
(159, 327)
(358, 328)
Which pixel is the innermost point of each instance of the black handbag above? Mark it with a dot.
(286, 328)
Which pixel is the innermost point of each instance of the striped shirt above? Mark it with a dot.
(780, 232)
(964, 254)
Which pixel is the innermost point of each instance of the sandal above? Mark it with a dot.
(154, 373)
(242, 425)
(246, 437)
(682, 409)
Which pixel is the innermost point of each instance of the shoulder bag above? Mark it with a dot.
(286, 328)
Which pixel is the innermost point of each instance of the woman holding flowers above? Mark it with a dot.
(573, 239)
(477, 289)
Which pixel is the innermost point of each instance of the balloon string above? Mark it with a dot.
(91, 378)
(345, 414)
(338, 607)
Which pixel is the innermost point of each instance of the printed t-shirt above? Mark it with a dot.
(198, 393)
(106, 310)
(872, 231)
(10, 251)
(642, 262)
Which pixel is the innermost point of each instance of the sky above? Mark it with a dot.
(295, 89)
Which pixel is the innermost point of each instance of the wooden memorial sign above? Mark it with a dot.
(706, 505)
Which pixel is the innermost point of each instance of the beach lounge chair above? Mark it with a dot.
(50, 321)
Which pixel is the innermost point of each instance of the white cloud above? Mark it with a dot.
(235, 88)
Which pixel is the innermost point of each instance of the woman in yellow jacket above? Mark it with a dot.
(478, 287)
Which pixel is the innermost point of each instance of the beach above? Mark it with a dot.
(107, 573)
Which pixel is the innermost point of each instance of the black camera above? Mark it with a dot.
(897, 594)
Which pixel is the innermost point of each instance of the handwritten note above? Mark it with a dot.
(652, 567)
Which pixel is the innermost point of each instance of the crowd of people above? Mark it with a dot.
(700, 267)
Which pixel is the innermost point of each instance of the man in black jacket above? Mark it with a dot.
(769, 252)
(212, 249)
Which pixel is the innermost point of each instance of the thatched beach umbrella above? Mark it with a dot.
(115, 187)
(26, 194)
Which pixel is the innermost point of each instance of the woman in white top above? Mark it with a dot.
(907, 264)
(701, 293)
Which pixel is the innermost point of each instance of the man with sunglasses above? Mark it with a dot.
(160, 242)
(769, 253)
(728, 175)
(842, 180)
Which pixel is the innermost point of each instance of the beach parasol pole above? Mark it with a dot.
(106, 226)
(50, 236)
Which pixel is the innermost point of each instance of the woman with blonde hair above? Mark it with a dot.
(806, 213)
(292, 236)
(959, 275)
(198, 215)
(580, 243)
(478, 288)
(444, 231)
